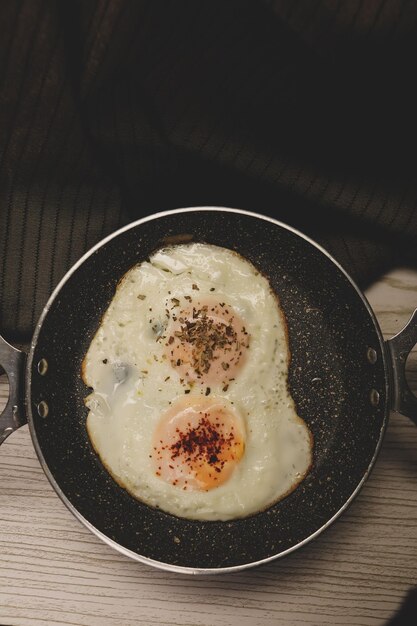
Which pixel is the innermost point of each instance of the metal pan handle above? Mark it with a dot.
(400, 346)
(13, 363)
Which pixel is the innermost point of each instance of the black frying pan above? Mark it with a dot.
(343, 377)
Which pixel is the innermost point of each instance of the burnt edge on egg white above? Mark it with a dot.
(168, 243)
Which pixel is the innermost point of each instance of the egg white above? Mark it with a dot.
(134, 384)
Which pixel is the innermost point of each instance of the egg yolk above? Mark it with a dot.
(206, 342)
(197, 444)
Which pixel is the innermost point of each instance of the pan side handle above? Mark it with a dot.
(399, 347)
(14, 415)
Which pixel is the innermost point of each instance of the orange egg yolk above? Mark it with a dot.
(197, 444)
(206, 342)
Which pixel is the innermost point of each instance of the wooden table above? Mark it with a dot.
(54, 571)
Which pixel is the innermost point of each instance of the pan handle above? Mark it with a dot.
(14, 415)
(400, 346)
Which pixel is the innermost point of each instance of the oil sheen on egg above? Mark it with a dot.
(190, 409)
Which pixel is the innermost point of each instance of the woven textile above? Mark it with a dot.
(115, 109)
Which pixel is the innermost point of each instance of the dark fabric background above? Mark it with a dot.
(110, 110)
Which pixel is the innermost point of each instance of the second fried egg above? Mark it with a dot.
(190, 409)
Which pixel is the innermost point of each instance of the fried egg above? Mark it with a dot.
(190, 410)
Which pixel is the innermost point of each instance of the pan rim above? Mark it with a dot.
(179, 569)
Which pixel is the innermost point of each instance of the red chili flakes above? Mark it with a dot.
(202, 444)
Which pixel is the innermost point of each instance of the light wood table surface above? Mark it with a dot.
(54, 571)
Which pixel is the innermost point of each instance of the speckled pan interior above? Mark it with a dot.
(331, 378)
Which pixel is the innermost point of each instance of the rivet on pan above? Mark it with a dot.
(372, 355)
(43, 409)
(374, 397)
(43, 367)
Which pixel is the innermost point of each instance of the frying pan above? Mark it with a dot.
(343, 378)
